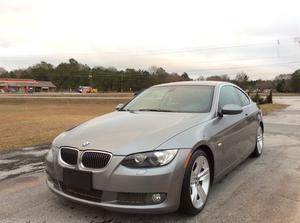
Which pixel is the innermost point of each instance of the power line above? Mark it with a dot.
(244, 67)
(192, 49)
(171, 51)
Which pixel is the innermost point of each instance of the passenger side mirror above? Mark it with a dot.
(119, 106)
(231, 109)
(136, 93)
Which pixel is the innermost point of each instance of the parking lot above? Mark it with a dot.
(266, 189)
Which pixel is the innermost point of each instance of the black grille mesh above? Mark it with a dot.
(92, 195)
(95, 160)
(138, 198)
(69, 156)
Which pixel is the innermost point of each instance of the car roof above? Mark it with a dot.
(204, 83)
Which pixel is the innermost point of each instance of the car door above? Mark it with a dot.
(250, 121)
(232, 135)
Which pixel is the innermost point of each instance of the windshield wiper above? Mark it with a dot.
(154, 110)
(126, 109)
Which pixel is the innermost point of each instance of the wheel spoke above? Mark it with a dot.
(201, 193)
(194, 193)
(198, 164)
(203, 175)
(193, 176)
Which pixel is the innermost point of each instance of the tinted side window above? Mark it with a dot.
(244, 99)
(228, 95)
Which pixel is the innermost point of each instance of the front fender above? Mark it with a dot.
(194, 138)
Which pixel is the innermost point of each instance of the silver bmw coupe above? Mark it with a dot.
(160, 152)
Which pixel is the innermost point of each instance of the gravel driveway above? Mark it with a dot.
(259, 190)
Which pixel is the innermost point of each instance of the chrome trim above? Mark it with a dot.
(81, 166)
(63, 163)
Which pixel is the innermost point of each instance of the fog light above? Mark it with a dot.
(156, 198)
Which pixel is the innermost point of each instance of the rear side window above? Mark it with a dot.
(244, 99)
(228, 95)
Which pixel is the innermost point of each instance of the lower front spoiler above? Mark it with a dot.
(161, 208)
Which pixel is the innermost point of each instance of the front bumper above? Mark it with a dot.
(116, 179)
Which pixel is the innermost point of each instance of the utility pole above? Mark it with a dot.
(278, 43)
(90, 80)
(122, 80)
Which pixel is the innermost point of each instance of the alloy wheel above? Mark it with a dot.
(260, 140)
(199, 181)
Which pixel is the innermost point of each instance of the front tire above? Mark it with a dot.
(196, 184)
(259, 143)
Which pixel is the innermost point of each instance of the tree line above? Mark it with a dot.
(285, 83)
(72, 74)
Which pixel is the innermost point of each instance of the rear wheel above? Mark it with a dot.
(259, 143)
(196, 184)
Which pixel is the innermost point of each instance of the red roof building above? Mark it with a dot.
(25, 85)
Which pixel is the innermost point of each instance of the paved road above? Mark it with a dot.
(73, 95)
(259, 190)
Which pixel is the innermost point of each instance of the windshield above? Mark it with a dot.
(195, 98)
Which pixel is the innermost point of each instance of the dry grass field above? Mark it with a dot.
(25, 122)
(30, 121)
(267, 108)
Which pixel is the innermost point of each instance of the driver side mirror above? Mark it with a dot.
(119, 106)
(230, 109)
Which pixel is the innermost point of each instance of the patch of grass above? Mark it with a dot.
(26, 122)
(276, 94)
(285, 94)
(267, 108)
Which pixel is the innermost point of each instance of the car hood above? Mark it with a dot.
(123, 133)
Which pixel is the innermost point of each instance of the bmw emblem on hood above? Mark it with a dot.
(85, 143)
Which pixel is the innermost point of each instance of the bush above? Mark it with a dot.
(269, 99)
(260, 100)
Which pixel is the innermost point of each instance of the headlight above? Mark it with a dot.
(150, 159)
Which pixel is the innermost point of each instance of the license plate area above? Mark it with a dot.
(77, 179)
